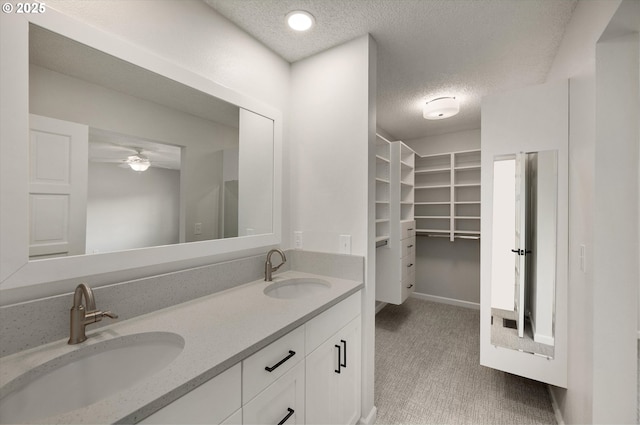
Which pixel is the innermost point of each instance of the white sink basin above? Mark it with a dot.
(297, 288)
(87, 375)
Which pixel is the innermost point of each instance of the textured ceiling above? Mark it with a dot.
(426, 48)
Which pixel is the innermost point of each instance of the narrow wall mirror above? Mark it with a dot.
(523, 268)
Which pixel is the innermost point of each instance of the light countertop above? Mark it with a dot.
(219, 330)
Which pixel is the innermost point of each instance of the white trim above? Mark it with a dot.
(444, 300)
(556, 408)
(538, 337)
(371, 417)
(380, 305)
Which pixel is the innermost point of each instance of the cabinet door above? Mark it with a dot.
(348, 394)
(281, 402)
(333, 378)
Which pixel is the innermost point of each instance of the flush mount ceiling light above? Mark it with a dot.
(300, 20)
(138, 162)
(440, 108)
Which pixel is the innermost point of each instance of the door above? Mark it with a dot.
(520, 240)
(58, 165)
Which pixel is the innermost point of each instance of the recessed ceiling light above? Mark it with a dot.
(440, 108)
(300, 20)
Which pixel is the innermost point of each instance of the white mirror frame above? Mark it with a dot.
(16, 271)
(528, 120)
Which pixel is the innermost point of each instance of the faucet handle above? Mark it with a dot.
(109, 314)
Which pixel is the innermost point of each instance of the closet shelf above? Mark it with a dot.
(378, 179)
(433, 203)
(433, 170)
(435, 186)
(467, 217)
(467, 185)
(382, 159)
(382, 220)
(433, 216)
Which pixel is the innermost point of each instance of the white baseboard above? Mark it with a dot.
(444, 300)
(556, 408)
(371, 417)
(379, 306)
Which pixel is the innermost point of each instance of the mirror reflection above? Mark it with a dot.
(123, 158)
(523, 269)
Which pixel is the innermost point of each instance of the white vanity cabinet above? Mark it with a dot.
(333, 378)
(333, 365)
(217, 401)
(310, 375)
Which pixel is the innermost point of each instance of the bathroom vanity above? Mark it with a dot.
(234, 361)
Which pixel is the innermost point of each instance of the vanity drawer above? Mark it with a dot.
(276, 356)
(210, 403)
(407, 229)
(281, 402)
(323, 326)
(408, 246)
(408, 266)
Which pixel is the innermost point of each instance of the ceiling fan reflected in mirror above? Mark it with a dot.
(138, 162)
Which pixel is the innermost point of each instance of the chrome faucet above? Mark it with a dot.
(82, 315)
(268, 268)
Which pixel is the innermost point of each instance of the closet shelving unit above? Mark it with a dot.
(447, 195)
(395, 262)
(383, 190)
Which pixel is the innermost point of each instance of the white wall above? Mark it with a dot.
(447, 269)
(332, 127)
(576, 60)
(255, 162)
(615, 236)
(127, 209)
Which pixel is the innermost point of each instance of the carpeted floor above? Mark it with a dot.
(428, 372)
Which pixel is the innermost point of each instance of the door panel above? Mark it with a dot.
(58, 157)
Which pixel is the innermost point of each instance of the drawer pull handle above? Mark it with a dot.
(277, 365)
(286, 417)
(410, 286)
(344, 344)
(409, 246)
(410, 265)
(410, 229)
(339, 361)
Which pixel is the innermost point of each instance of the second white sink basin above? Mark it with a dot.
(296, 288)
(87, 375)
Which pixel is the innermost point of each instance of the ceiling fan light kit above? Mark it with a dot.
(138, 162)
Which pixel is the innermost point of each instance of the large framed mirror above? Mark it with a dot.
(115, 159)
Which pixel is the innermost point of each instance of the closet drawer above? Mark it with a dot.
(408, 229)
(276, 356)
(408, 246)
(408, 266)
(410, 281)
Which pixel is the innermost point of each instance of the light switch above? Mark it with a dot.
(197, 229)
(297, 240)
(345, 244)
